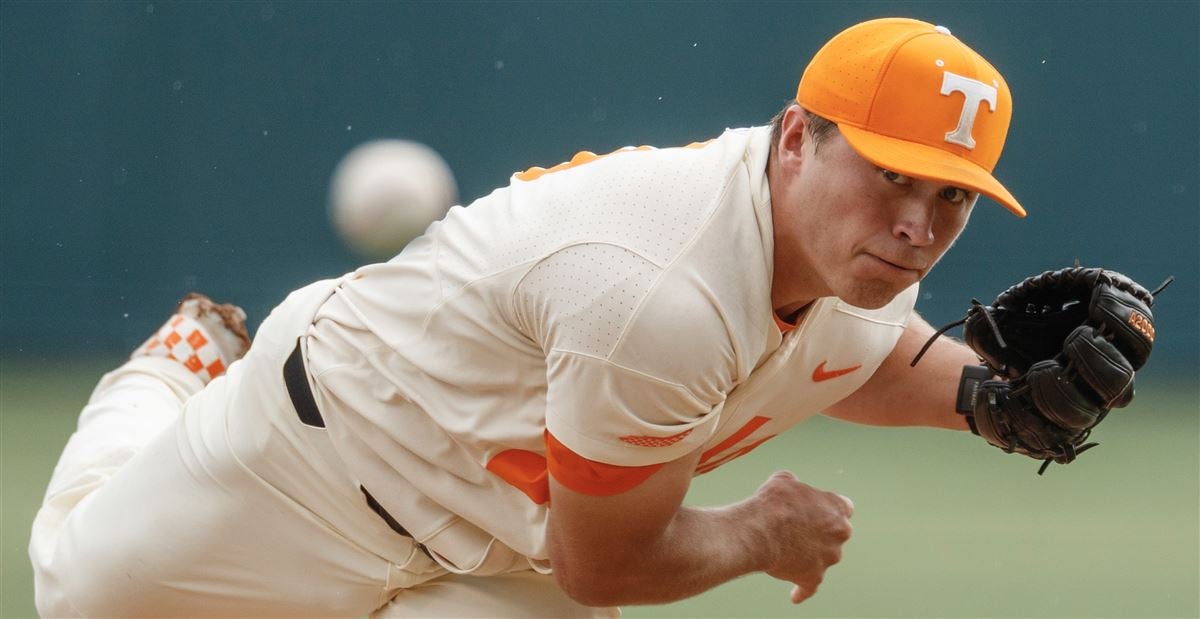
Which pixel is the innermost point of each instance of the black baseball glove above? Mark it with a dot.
(1061, 350)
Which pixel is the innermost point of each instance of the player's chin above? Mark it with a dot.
(874, 285)
(871, 293)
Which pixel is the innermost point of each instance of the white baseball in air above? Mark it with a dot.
(386, 193)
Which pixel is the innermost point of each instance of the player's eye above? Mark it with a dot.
(954, 195)
(895, 177)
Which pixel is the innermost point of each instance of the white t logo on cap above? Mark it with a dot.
(975, 92)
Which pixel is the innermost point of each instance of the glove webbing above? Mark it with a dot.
(978, 307)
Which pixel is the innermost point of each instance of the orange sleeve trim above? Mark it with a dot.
(590, 477)
(655, 441)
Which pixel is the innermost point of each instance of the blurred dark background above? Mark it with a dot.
(148, 149)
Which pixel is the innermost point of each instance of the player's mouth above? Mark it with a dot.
(903, 266)
(899, 267)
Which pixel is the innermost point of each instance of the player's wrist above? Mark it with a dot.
(969, 390)
(757, 520)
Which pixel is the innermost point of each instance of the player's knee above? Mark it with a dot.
(84, 575)
(50, 577)
(53, 581)
(57, 586)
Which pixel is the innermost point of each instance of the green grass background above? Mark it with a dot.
(945, 526)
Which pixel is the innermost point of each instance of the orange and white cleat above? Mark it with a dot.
(204, 336)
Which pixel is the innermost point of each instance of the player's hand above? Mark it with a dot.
(807, 529)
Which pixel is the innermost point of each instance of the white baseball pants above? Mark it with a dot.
(175, 499)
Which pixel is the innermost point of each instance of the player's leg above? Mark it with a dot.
(235, 509)
(133, 404)
(136, 401)
(185, 529)
(523, 593)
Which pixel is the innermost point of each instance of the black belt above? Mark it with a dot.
(296, 380)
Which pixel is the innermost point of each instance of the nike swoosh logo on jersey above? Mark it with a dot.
(820, 374)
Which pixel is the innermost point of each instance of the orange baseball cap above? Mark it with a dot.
(910, 97)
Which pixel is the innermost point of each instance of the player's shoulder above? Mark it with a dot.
(725, 151)
(644, 161)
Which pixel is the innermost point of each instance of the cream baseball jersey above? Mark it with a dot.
(591, 322)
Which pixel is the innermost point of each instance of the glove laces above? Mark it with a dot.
(977, 307)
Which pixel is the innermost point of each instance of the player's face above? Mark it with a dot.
(866, 233)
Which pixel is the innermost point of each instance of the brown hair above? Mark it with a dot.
(818, 127)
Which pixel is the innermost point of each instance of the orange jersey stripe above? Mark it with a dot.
(523, 470)
(700, 470)
(585, 156)
(737, 437)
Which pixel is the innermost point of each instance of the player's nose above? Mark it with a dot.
(914, 221)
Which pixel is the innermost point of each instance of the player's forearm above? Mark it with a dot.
(932, 392)
(700, 549)
(899, 394)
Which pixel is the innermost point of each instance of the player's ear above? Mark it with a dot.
(792, 136)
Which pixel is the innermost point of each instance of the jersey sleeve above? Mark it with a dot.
(638, 362)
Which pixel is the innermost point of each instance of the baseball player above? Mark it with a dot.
(503, 420)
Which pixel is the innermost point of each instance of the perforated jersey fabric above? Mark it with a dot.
(620, 305)
(595, 288)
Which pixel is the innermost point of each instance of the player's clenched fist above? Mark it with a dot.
(806, 528)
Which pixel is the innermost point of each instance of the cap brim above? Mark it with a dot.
(927, 162)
